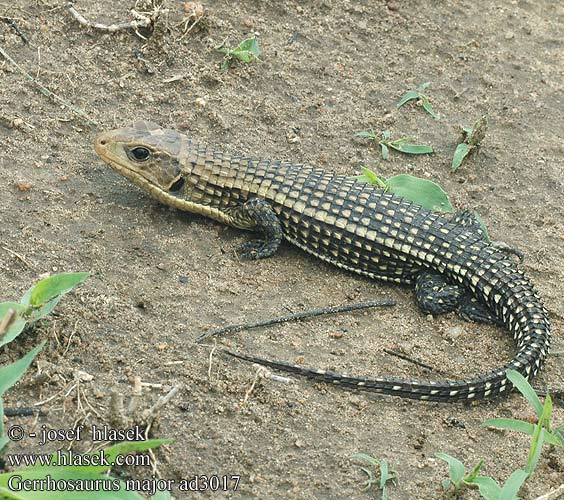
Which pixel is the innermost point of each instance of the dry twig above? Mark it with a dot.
(407, 358)
(296, 316)
(263, 372)
(20, 257)
(145, 19)
(7, 321)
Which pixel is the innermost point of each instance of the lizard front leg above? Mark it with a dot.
(257, 215)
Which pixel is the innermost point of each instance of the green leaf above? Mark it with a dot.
(10, 374)
(74, 473)
(459, 154)
(456, 467)
(421, 192)
(523, 386)
(402, 140)
(162, 495)
(366, 133)
(445, 483)
(408, 96)
(384, 476)
(368, 458)
(6, 494)
(247, 50)
(19, 323)
(510, 423)
(1, 420)
(70, 475)
(370, 177)
(385, 151)
(513, 485)
(423, 87)
(386, 134)
(535, 450)
(413, 149)
(538, 435)
(474, 472)
(55, 286)
(513, 424)
(4, 440)
(483, 226)
(427, 107)
(487, 487)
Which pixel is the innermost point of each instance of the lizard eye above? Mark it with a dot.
(140, 153)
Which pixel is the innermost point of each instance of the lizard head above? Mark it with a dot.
(145, 153)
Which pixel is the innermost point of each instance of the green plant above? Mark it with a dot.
(36, 303)
(403, 145)
(541, 432)
(471, 138)
(488, 488)
(384, 473)
(76, 475)
(420, 191)
(246, 52)
(418, 96)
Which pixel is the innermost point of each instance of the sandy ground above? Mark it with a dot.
(159, 277)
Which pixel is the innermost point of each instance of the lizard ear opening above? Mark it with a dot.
(177, 185)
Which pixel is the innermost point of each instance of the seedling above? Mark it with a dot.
(420, 191)
(487, 486)
(80, 474)
(247, 51)
(403, 145)
(36, 303)
(472, 137)
(417, 95)
(384, 473)
(541, 431)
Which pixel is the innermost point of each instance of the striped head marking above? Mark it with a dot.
(145, 153)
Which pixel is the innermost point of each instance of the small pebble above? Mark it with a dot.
(23, 186)
(454, 332)
(200, 102)
(336, 335)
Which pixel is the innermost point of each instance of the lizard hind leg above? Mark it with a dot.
(257, 215)
(435, 295)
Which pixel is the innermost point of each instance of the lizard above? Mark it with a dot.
(355, 226)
